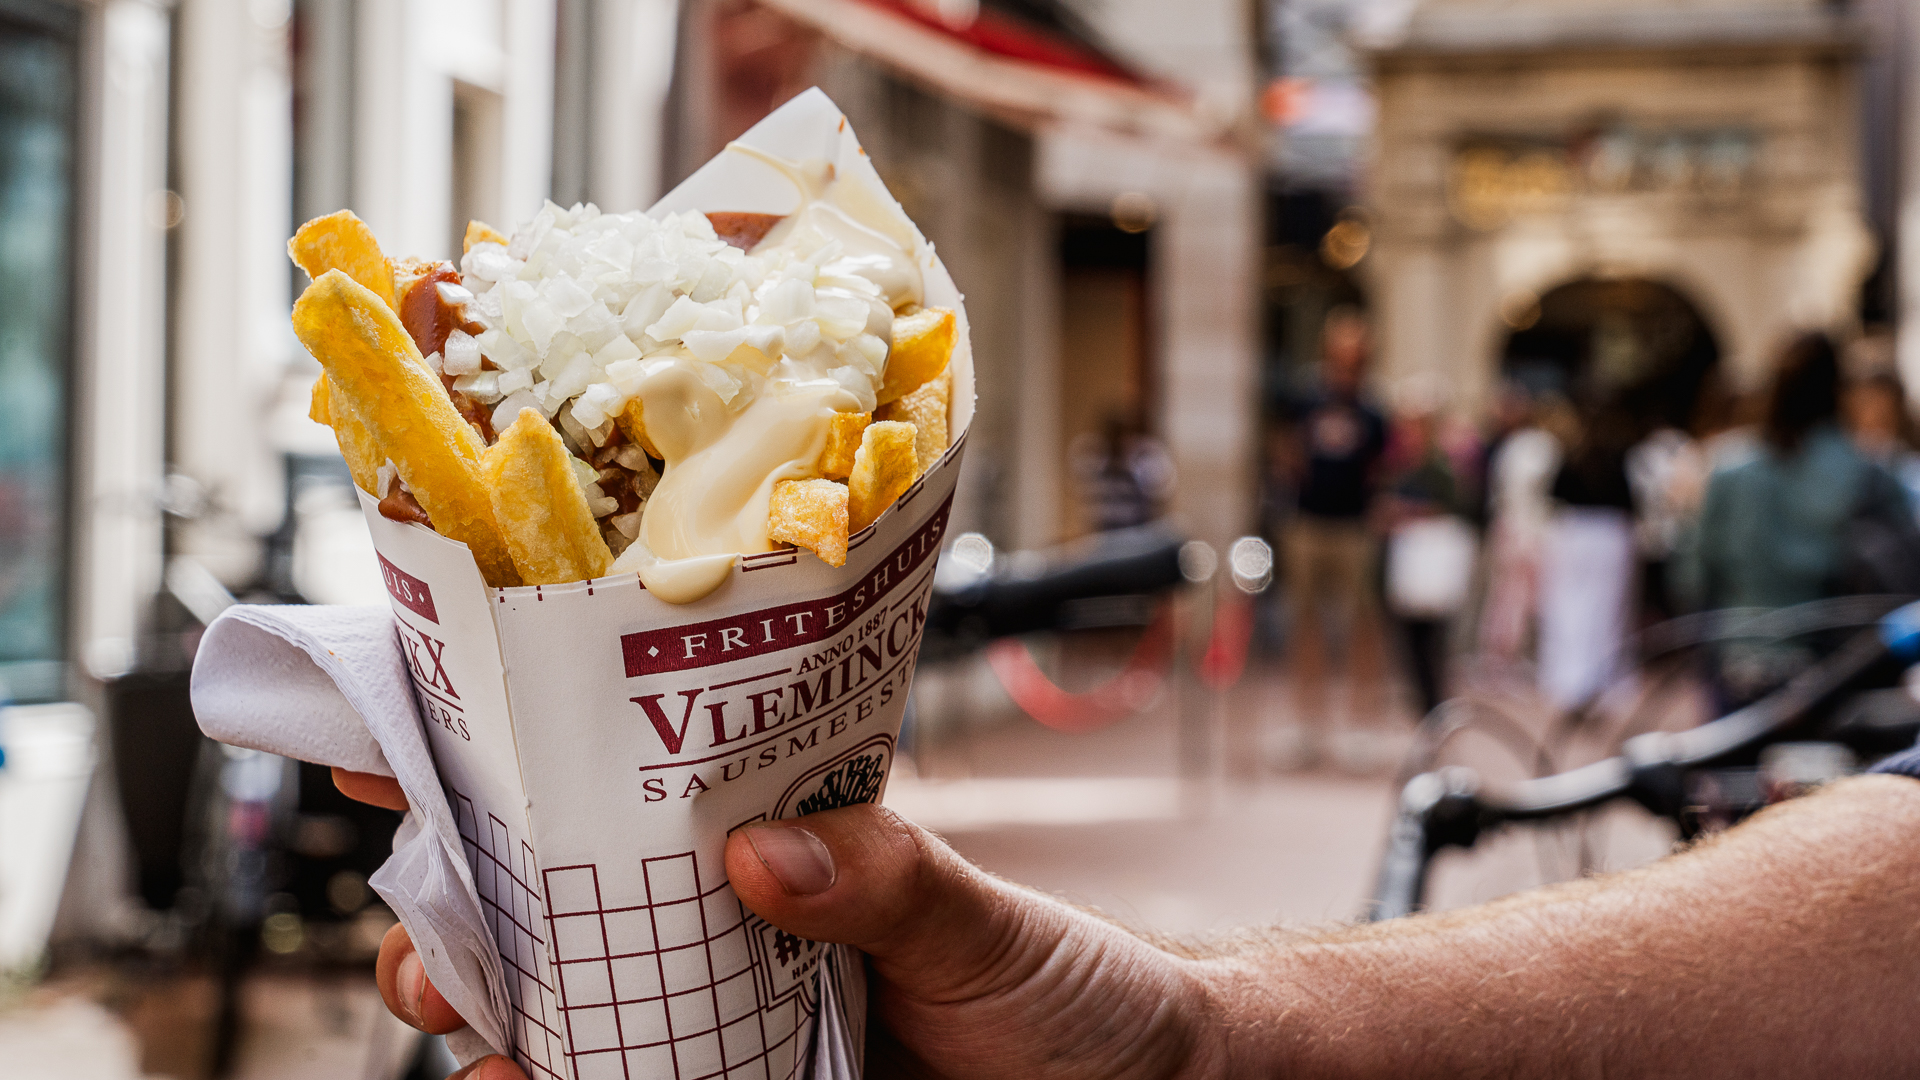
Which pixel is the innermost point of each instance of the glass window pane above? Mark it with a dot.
(37, 104)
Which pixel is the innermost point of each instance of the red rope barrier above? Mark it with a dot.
(1226, 657)
(1117, 698)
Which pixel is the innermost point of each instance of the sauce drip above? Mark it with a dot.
(430, 320)
(742, 229)
(723, 459)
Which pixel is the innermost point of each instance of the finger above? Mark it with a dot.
(864, 876)
(370, 788)
(407, 991)
(491, 1067)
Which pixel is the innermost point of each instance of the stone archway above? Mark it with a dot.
(1636, 342)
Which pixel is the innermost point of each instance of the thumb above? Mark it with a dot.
(981, 975)
(862, 875)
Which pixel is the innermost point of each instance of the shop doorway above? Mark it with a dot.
(1633, 344)
(1105, 367)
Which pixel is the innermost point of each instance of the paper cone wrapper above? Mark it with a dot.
(597, 744)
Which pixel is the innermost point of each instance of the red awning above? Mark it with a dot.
(1016, 71)
(1016, 39)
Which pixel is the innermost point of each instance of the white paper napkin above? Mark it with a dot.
(329, 685)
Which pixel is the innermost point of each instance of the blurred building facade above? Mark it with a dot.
(1697, 166)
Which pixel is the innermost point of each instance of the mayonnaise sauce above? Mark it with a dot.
(721, 461)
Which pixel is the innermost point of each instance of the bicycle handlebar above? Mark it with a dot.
(1448, 808)
(1107, 580)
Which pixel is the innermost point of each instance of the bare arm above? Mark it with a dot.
(1790, 946)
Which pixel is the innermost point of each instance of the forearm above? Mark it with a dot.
(1789, 946)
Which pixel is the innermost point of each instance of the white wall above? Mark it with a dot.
(120, 413)
(409, 54)
(1206, 45)
(632, 66)
(230, 336)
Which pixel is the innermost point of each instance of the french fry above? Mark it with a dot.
(811, 514)
(926, 410)
(631, 421)
(843, 441)
(479, 232)
(922, 344)
(341, 241)
(375, 372)
(356, 442)
(540, 505)
(885, 467)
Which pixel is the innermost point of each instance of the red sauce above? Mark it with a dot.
(430, 320)
(423, 313)
(400, 505)
(741, 229)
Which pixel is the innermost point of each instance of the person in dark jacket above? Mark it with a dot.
(1329, 549)
(1777, 530)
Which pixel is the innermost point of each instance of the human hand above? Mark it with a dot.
(402, 978)
(970, 976)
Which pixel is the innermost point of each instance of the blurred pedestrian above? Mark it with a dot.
(1329, 551)
(1877, 418)
(1788, 526)
(1587, 562)
(1430, 543)
(1725, 434)
(1520, 474)
(1653, 464)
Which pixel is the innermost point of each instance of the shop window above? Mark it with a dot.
(38, 101)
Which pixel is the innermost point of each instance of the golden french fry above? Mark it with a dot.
(884, 468)
(926, 410)
(341, 241)
(356, 442)
(375, 371)
(318, 409)
(479, 232)
(631, 422)
(922, 344)
(811, 514)
(843, 441)
(540, 505)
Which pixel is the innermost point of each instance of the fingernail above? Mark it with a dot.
(411, 982)
(795, 857)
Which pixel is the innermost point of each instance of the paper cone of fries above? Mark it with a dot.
(597, 744)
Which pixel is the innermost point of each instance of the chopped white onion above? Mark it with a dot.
(514, 381)
(482, 386)
(581, 308)
(505, 413)
(462, 354)
(681, 316)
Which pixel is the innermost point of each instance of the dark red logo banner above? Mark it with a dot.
(755, 633)
(409, 591)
